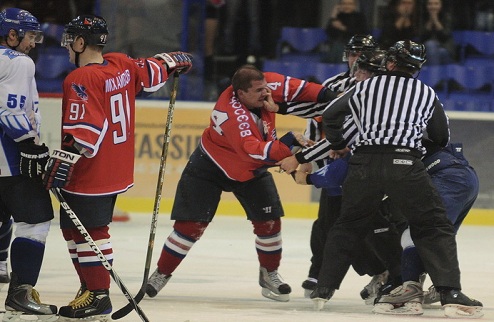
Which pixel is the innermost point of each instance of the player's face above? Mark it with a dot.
(27, 43)
(362, 74)
(254, 97)
(352, 57)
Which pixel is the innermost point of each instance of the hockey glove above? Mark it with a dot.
(33, 158)
(176, 61)
(59, 169)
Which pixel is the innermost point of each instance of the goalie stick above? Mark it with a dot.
(132, 303)
(154, 219)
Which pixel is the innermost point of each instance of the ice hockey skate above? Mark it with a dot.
(89, 306)
(309, 285)
(273, 285)
(4, 274)
(369, 293)
(406, 299)
(156, 282)
(320, 296)
(23, 303)
(458, 305)
(432, 299)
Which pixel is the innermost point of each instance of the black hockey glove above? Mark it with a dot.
(176, 61)
(33, 158)
(59, 169)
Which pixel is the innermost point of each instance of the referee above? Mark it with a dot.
(391, 112)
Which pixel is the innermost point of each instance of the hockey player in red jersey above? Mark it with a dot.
(96, 161)
(234, 153)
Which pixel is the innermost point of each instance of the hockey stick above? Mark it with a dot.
(157, 199)
(98, 252)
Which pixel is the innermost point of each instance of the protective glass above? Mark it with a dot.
(348, 53)
(67, 39)
(34, 36)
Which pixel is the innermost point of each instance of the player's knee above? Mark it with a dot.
(36, 232)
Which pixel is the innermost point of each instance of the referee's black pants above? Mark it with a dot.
(400, 174)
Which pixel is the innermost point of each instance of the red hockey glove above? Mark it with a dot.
(33, 158)
(176, 61)
(59, 169)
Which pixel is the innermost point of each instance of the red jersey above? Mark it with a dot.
(98, 110)
(236, 143)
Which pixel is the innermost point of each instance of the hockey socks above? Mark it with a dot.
(26, 256)
(268, 243)
(178, 244)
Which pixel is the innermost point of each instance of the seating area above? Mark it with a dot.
(467, 85)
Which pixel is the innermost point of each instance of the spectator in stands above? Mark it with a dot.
(436, 34)
(400, 21)
(344, 22)
(235, 10)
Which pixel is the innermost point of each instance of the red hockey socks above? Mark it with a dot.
(268, 243)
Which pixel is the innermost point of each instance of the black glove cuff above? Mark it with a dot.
(308, 180)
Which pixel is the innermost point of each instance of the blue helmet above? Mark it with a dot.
(21, 21)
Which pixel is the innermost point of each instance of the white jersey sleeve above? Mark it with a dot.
(19, 117)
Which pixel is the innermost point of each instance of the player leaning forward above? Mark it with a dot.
(96, 161)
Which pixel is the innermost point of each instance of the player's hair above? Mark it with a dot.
(243, 77)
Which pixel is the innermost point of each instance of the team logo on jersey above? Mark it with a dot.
(12, 53)
(80, 90)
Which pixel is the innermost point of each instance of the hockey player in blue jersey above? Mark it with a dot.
(22, 160)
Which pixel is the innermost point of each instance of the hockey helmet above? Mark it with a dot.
(92, 28)
(21, 21)
(406, 53)
(372, 61)
(359, 43)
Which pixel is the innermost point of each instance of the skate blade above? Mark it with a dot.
(18, 316)
(370, 300)
(307, 293)
(409, 308)
(461, 311)
(319, 303)
(267, 293)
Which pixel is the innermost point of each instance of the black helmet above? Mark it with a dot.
(372, 61)
(359, 43)
(92, 28)
(406, 53)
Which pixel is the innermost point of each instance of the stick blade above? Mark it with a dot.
(124, 311)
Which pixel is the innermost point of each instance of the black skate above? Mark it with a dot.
(458, 305)
(89, 306)
(309, 285)
(320, 296)
(273, 285)
(23, 300)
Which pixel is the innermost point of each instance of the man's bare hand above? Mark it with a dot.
(288, 164)
(269, 104)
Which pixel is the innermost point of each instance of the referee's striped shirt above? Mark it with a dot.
(392, 109)
(319, 152)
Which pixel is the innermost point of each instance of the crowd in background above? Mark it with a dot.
(240, 31)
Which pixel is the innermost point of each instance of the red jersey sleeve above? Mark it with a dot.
(291, 89)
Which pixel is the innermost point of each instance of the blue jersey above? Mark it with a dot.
(19, 115)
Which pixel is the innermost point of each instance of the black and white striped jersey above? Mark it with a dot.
(392, 109)
(319, 152)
